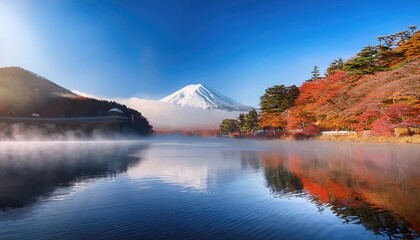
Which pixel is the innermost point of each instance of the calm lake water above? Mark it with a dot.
(198, 188)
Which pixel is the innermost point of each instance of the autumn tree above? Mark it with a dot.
(382, 127)
(311, 130)
(403, 115)
(366, 119)
(344, 100)
(387, 57)
(303, 112)
(411, 48)
(396, 116)
(272, 121)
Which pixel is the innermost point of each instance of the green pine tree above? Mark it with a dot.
(278, 98)
(228, 126)
(251, 121)
(365, 62)
(315, 73)
(241, 122)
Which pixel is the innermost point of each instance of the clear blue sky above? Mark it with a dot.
(151, 48)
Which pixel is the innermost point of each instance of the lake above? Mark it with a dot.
(208, 188)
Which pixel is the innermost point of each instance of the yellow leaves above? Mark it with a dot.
(411, 48)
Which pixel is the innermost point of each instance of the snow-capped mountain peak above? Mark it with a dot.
(201, 96)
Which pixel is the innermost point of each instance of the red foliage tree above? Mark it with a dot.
(403, 115)
(381, 126)
(311, 130)
(366, 119)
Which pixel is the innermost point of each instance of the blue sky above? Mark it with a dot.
(149, 49)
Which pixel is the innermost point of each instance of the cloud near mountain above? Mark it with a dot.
(168, 116)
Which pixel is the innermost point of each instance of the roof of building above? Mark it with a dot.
(115, 110)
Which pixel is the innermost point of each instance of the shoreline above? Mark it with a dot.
(414, 139)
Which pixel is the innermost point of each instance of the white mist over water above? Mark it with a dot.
(53, 132)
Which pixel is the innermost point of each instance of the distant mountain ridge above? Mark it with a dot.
(204, 97)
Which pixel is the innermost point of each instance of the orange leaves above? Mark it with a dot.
(380, 102)
(343, 101)
(337, 76)
(294, 119)
(310, 92)
(272, 120)
(319, 102)
(411, 48)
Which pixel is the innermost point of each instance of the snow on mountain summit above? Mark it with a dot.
(201, 96)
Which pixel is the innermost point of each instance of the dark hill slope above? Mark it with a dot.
(23, 93)
(21, 90)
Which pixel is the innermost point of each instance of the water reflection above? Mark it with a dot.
(279, 179)
(185, 167)
(33, 170)
(377, 186)
(216, 188)
(250, 159)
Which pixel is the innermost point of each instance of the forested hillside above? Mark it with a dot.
(377, 90)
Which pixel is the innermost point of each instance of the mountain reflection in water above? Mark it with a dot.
(33, 170)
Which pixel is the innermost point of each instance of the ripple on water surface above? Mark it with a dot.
(208, 188)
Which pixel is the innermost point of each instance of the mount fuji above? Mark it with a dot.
(201, 96)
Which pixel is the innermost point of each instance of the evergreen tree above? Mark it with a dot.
(251, 121)
(228, 126)
(315, 73)
(366, 62)
(241, 122)
(278, 98)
